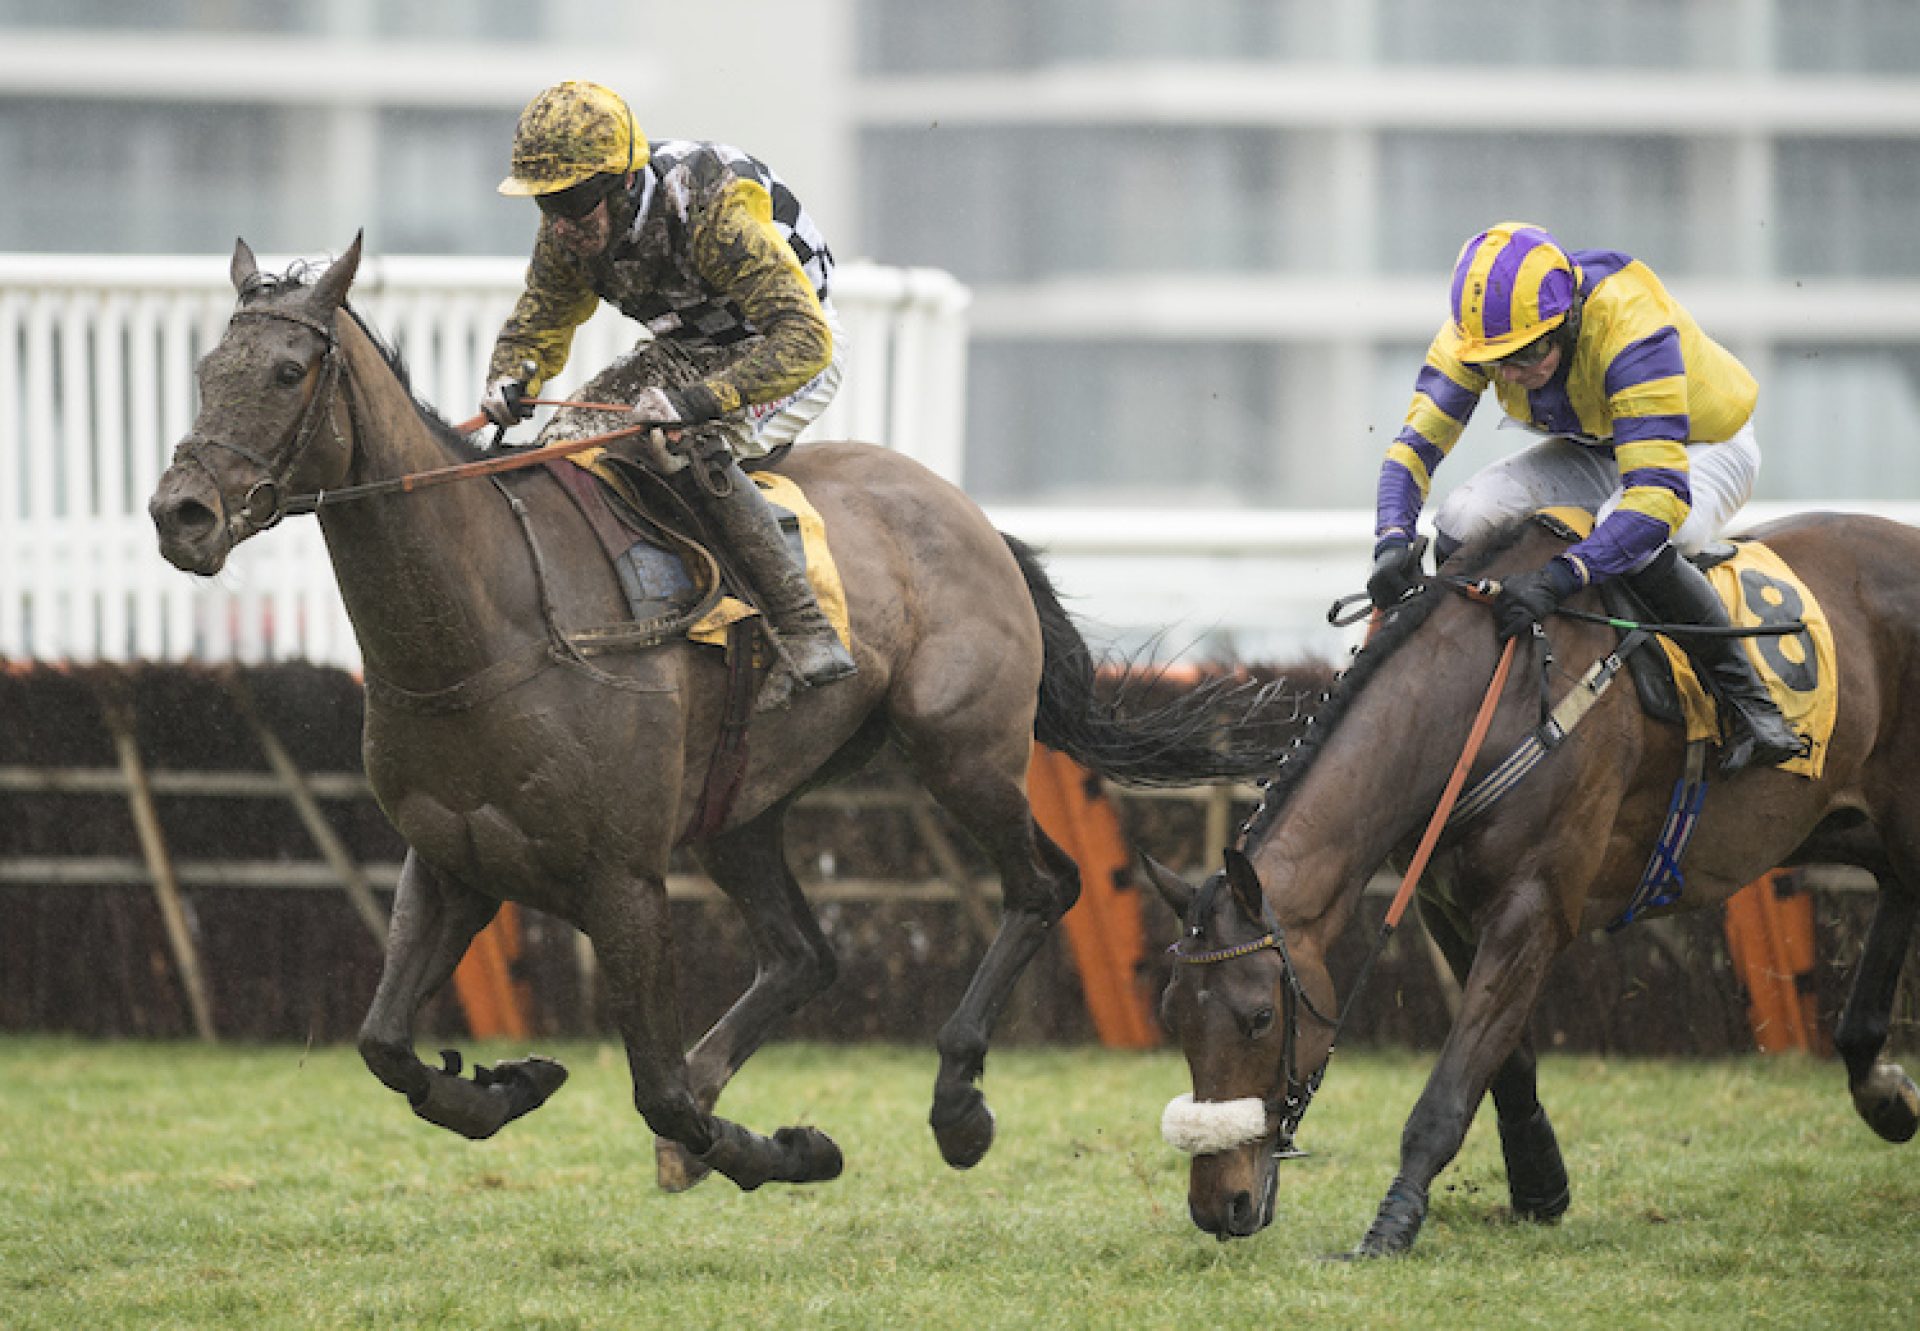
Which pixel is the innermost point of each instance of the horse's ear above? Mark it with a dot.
(1176, 891)
(242, 269)
(1244, 879)
(331, 290)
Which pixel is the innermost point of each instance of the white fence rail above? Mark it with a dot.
(96, 386)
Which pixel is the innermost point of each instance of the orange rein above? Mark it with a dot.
(1475, 738)
(461, 471)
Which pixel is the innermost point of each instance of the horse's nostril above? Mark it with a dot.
(187, 518)
(1240, 1213)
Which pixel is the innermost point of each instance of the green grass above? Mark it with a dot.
(171, 1185)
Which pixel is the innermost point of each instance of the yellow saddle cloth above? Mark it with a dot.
(792, 504)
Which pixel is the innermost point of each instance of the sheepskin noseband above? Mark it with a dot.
(1208, 1127)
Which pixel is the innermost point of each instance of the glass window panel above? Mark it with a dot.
(150, 178)
(1612, 192)
(1848, 36)
(437, 172)
(961, 36)
(1846, 207)
(1654, 34)
(272, 16)
(1121, 422)
(1031, 202)
(1841, 423)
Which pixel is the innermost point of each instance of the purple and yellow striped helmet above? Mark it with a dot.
(1513, 284)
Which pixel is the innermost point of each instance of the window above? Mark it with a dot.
(1024, 203)
(1609, 192)
(1846, 207)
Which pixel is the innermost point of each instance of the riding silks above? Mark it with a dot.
(800, 523)
(1758, 589)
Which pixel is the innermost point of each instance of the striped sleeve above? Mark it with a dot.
(1444, 396)
(1646, 385)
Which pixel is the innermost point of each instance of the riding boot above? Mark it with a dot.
(750, 531)
(1757, 733)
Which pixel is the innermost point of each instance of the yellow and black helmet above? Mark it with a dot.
(570, 132)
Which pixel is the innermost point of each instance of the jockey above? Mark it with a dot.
(1647, 420)
(711, 251)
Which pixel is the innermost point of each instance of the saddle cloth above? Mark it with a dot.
(656, 577)
(1759, 588)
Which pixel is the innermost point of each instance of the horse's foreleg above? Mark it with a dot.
(1883, 1093)
(434, 920)
(1516, 949)
(632, 937)
(1536, 1173)
(793, 963)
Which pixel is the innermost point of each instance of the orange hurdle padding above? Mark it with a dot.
(1104, 928)
(494, 1000)
(1770, 936)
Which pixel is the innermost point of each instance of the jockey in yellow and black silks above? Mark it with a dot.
(1646, 420)
(711, 251)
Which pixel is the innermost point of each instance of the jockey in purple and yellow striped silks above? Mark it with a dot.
(1636, 376)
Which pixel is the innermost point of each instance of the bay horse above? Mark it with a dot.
(518, 769)
(1251, 999)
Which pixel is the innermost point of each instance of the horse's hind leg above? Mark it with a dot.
(632, 936)
(1883, 1093)
(792, 959)
(434, 920)
(979, 778)
(1536, 1172)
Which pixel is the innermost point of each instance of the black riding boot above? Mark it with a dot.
(750, 530)
(1679, 593)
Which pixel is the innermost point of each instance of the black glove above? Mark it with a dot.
(1526, 599)
(504, 403)
(1396, 570)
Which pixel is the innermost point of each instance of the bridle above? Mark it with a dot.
(317, 412)
(1289, 1105)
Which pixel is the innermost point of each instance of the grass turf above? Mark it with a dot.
(174, 1185)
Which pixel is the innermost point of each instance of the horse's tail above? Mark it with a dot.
(1186, 741)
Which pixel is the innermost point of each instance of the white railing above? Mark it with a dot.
(96, 386)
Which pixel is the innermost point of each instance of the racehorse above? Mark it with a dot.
(1252, 1001)
(517, 768)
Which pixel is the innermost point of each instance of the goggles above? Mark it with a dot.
(1530, 355)
(575, 202)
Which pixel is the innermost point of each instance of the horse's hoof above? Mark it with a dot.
(1889, 1102)
(674, 1166)
(494, 1098)
(965, 1137)
(1536, 1174)
(812, 1156)
(1398, 1224)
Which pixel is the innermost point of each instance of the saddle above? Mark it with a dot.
(678, 579)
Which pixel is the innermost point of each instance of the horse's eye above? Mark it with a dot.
(1260, 1023)
(290, 372)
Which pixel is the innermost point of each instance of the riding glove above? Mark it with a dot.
(504, 403)
(1526, 599)
(1396, 571)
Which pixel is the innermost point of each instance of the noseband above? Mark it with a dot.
(319, 408)
(1290, 1106)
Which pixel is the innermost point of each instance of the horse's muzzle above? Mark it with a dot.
(192, 534)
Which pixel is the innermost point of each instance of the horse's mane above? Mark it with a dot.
(301, 275)
(1399, 626)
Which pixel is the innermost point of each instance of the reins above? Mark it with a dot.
(460, 471)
